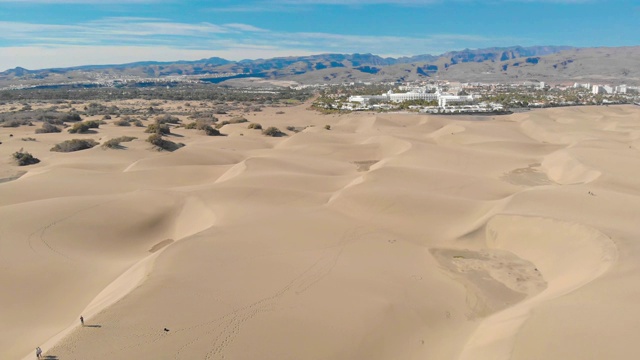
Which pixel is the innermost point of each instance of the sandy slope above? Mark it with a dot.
(390, 236)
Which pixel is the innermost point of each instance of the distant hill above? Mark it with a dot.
(508, 64)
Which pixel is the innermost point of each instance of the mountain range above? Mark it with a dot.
(508, 64)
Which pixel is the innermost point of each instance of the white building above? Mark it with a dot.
(390, 96)
(597, 89)
(445, 100)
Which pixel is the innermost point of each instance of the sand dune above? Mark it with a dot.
(389, 236)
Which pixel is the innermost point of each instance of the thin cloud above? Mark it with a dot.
(244, 27)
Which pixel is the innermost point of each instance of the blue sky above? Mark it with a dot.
(54, 33)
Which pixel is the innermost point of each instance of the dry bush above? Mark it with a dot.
(158, 129)
(273, 131)
(79, 128)
(115, 142)
(161, 144)
(48, 128)
(74, 145)
(23, 158)
(255, 126)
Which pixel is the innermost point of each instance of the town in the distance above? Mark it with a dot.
(444, 97)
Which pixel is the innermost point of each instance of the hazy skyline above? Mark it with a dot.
(56, 33)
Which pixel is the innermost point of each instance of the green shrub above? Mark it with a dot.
(255, 126)
(273, 131)
(23, 158)
(48, 128)
(74, 145)
(115, 142)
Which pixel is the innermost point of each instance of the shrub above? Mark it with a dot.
(272, 131)
(238, 120)
(23, 158)
(158, 129)
(327, 127)
(15, 123)
(115, 142)
(203, 125)
(291, 128)
(48, 128)
(210, 131)
(279, 112)
(28, 139)
(255, 126)
(79, 128)
(167, 119)
(219, 125)
(74, 145)
(94, 124)
(161, 144)
(71, 117)
(122, 122)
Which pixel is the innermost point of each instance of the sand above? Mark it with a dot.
(389, 236)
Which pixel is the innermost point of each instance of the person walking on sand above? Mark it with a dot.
(81, 320)
(38, 352)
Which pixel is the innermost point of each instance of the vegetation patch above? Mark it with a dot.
(254, 126)
(273, 132)
(79, 128)
(162, 144)
(121, 122)
(48, 128)
(74, 145)
(167, 119)
(203, 125)
(115, 142)
(156, 128)
(23, 158)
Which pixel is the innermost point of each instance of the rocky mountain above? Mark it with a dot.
(516, 63)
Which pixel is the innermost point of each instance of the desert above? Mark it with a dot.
(348, 236)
